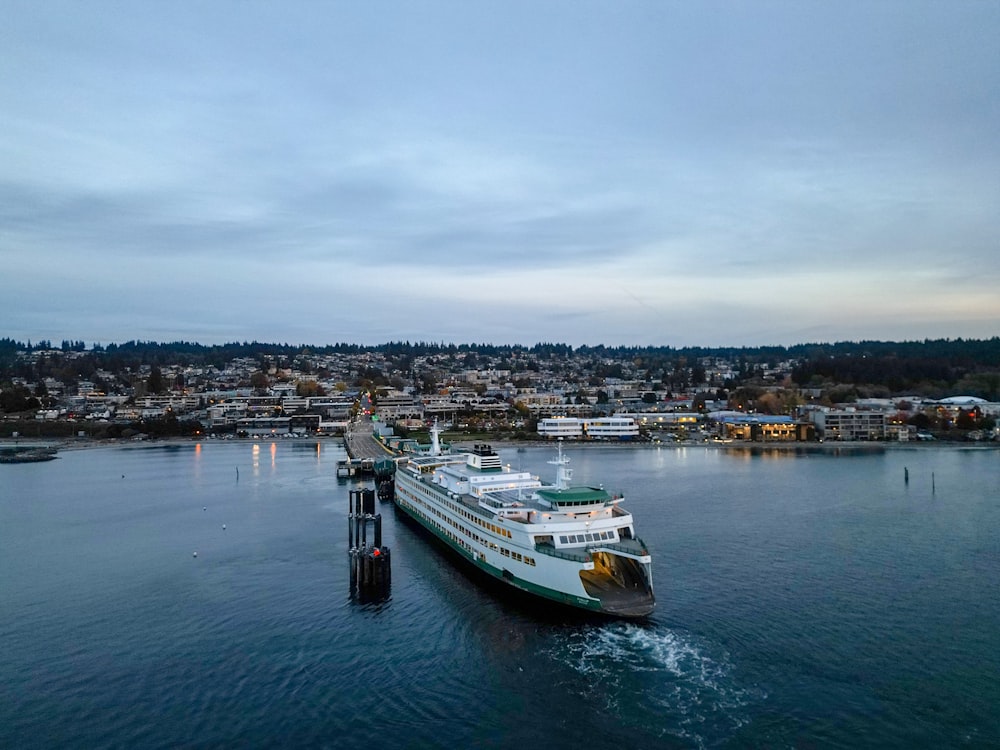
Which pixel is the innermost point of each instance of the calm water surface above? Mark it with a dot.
(804, 600)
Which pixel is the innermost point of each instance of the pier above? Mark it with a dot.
(348, 468)
(363, 451)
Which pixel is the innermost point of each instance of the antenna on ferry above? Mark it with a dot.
(435, 439)
(563, 473)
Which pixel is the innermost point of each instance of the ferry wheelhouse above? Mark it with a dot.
(573, 545)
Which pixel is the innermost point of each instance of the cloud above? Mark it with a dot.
(566, 171)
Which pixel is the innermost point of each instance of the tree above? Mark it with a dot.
(769, 403)
(17, 398)
(307, 388)
(155, 382)
(259, 381)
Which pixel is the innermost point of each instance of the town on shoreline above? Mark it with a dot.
(503, 394)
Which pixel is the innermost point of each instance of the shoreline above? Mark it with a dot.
(799, 446)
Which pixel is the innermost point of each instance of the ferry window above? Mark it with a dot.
(562, 540)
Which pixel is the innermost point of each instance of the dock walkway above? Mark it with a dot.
(363, 450)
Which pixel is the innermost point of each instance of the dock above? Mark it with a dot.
(348, 468)
(363, 452)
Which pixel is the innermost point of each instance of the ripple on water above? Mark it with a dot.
(670, 683)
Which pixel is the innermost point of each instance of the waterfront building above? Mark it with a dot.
(596, 428)
(225, 413)
(265, 425)
(611, 428)
(735, 425)
(850, 424)
(560, 427)
(656, 420)
(954, 405)
(901, 433)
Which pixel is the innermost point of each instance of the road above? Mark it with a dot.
(360, 441)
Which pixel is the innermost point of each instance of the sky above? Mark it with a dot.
(624, 173)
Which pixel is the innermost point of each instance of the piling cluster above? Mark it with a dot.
(371, 571)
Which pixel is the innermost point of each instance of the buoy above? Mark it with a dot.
(376, 552)
(223, 527)
(195, 554)
(205, 508)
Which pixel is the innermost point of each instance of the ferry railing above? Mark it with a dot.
(630, 547)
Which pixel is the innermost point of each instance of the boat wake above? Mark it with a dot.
(660, 682)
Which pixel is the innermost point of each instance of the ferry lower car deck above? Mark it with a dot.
(603, 573)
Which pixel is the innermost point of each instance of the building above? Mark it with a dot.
(850, 424)
(560, 427)
(732, 425)
(595, 428)
(611, 428)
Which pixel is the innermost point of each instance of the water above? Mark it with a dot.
(804, 600)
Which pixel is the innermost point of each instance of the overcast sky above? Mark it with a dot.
(621, 173)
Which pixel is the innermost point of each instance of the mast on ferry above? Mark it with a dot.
(435, 439)
(563, 473)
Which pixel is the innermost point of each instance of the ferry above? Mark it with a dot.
(572, 545)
